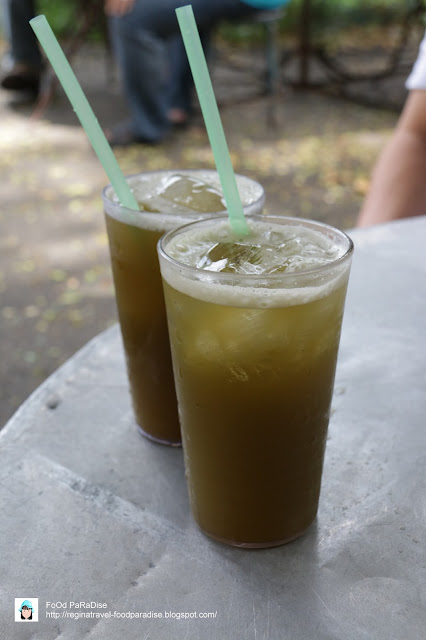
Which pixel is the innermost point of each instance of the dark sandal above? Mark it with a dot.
(124, 136)
(21, 78)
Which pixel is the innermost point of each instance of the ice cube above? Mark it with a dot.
(232, 257)
(239, 342)
(149, 205)
(156, 204)
(192, 193)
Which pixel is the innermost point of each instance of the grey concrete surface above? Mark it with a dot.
(92, 511)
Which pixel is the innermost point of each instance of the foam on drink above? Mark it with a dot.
(179, 197)
(290, 252)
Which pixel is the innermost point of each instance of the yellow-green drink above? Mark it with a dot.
(167, 199)
(254, 327)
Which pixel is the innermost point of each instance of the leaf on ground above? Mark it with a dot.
(58, 275)
(69, 297)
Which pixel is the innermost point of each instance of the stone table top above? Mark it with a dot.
(94, 514)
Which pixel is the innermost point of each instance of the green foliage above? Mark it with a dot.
(61, 15)
(326, 16)
(335, 14)
(64, 17)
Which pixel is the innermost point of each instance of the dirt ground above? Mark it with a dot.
(55, 282)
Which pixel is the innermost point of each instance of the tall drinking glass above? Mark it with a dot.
(167, 200)
(254, 327)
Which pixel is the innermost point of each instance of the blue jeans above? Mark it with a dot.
(23, 42)
(152, 58)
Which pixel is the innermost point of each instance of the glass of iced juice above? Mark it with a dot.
(167, 199)
(254, 327)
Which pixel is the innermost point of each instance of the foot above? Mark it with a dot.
(122, 135)
(22, 77)
(178, 118)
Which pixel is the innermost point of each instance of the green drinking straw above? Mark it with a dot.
(200, 72)
(83, 110)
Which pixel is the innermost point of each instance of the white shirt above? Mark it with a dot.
(417, 77)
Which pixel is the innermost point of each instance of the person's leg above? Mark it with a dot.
(24, 45)
(5, 19)
(144, 67)
(6, 62)
(25, 71)
(181, 84)
(140, 39)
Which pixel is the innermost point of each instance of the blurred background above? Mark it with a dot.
(338, 89)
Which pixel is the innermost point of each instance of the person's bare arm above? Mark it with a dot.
(398, 185)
